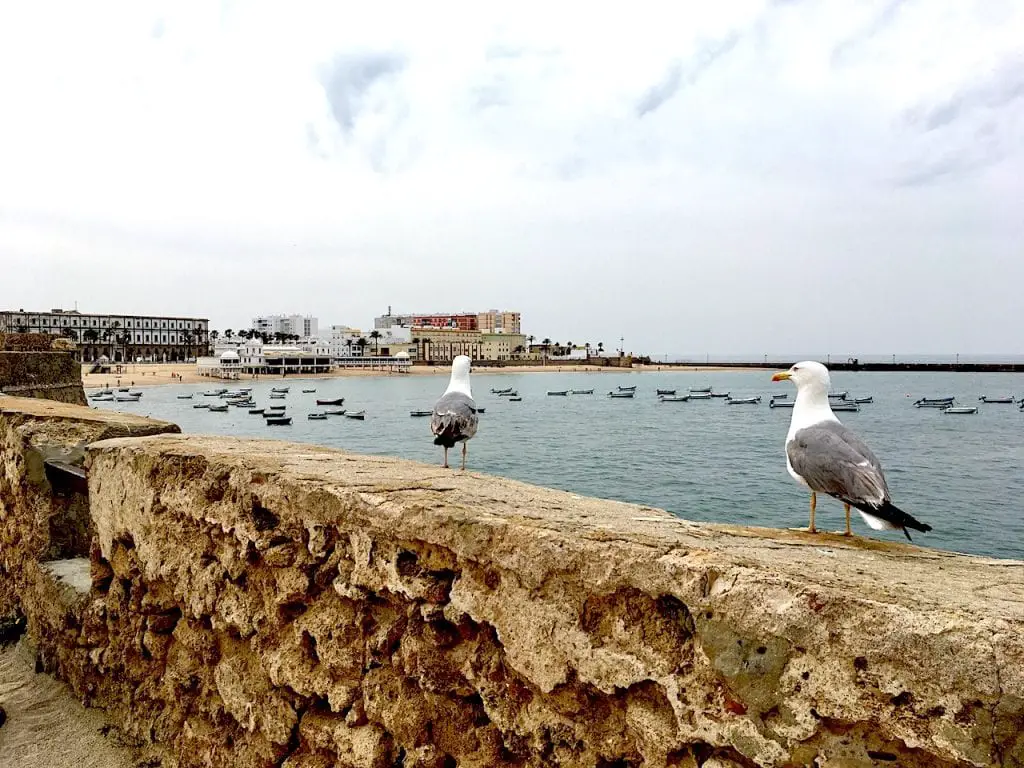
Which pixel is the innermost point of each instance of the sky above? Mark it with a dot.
(824, 175)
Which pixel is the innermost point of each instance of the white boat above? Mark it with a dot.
(961, 409)
(184, 397)
(694, 395)
(127, 398)
(863, 400)
(838, 395)
(781, 404)
(744, 400)
(1000, 400)
(701, 390)
(674, 398)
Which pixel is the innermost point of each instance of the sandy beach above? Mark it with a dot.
(143, 375)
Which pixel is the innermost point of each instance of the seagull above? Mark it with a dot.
(454, 419)
(828, 458)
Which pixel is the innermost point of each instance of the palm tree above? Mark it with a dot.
(71, 333)
(375, 335)
(228, 334)
(188, 338)
(214, 335)
(91, 337)
(362, 343)
(600, 347)
(114, 331)
(545, 345)
(124, 340)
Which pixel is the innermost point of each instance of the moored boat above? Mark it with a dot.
(721, 394)
(701, 390)
(308, 391)
(184, 397)
(621, 394)
(744, 400)
(558, 393)
(582, 391)
(279, 389)
(256, 410)
(781, 404)
(360, 415)
(699, 395)
(674, 398)
(336, 412)
(961, 409)
(845, 405)
(863, 400)
(509, 393)
(838, 395)
(501, 391)
(627, 389)
(279, 420)
(335, 401)
(515, 399)
(665, 391)
(999, 400)
(421, 413)
(218, 409)
(201, 405)
(317, 417)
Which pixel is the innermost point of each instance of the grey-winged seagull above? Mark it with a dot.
(828, 458)
(454, 419)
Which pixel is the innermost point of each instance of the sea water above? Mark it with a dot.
(701, 460)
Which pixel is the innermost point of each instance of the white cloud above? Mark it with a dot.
(667, 174)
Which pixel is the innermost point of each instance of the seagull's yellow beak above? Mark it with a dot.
(782, 376)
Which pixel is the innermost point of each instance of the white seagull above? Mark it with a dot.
(455, 419)
(828, 458)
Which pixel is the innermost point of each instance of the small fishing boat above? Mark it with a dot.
(721, 394)
(184, 397)
(336, 412)
(949, 399)
(104, 391)
(501, 391)
(665, 391)
(201, 405)
(218, 409)
(103, 398)
(744, 400)
(674, 398)
(621, 394)
(934, 403)
(838, 395)
(699, 395)
(122, 389)
(781, 404)
(335, 401)
(782, 396)
(127, 398)
(961, 409)
(277, 397)
(510, 393)
(317, 417)
(701, 389)
(214, 393)
(275, 407)
(308, 391)
(845, 405)
(280, 420)
(279, 389)
(627, 389)
(559, 393)
(421, 413)
(515, 399)
(1000, 400)
(256, 410)
(863, 400)
(360, 415)
(582, 391)
(242, 403)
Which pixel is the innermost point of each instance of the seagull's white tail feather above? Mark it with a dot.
(878, 523)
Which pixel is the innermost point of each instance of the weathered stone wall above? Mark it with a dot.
(42, 515)
(252, 603)
(50, 375)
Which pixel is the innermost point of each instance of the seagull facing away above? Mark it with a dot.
(454, 419)
(828, 458)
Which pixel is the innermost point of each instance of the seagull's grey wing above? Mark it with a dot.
(454, 417)
(832, 460)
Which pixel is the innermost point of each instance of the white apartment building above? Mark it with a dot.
(120, 338)
(303, 326)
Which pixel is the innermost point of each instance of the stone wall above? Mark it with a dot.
(254, 603)
(50, 375)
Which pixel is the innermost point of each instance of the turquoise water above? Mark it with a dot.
(701, 460)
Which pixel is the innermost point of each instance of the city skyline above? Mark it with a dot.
(754, 175)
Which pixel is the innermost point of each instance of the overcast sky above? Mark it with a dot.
(842, 177)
